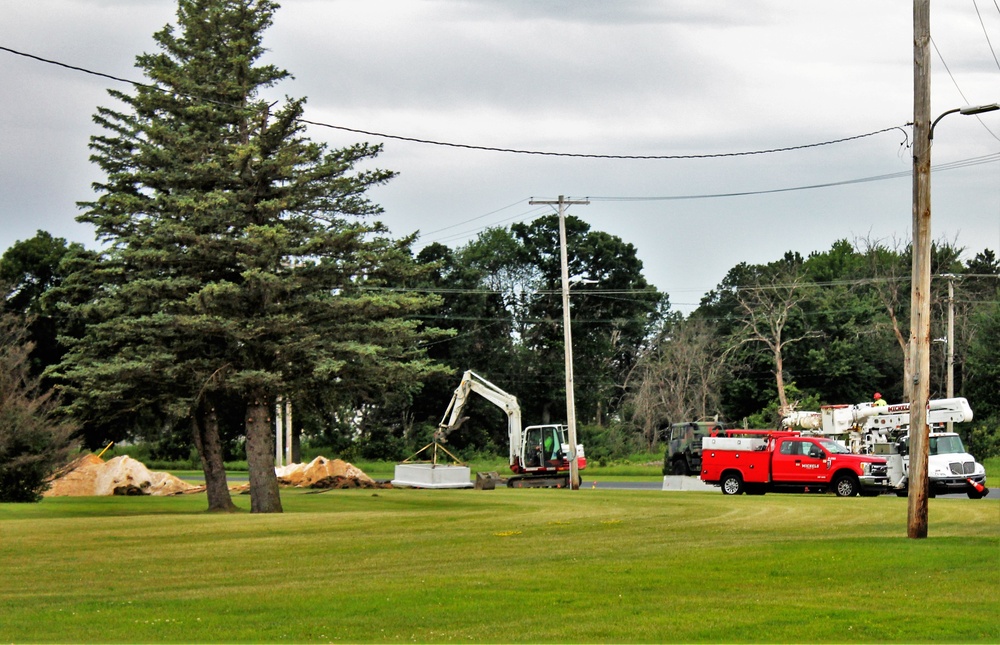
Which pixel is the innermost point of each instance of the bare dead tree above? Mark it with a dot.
(677, 378)
(767, 306)
(890, 281)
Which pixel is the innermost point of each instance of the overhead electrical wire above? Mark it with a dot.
(445, 228)
(448, 144)
(987, 33)
(465, 234)
(960, 92)
(986, 159)
(953, 165)
(580, 155)
(597, 291)
(975, 161)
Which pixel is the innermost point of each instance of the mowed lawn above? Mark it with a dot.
(500, 566)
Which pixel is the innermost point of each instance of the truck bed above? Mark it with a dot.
(748, 454)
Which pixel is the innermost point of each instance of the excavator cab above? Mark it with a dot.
(543, 447)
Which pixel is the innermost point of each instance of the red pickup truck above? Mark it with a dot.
(790, 462)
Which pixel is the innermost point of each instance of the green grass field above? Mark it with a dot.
(409, 565)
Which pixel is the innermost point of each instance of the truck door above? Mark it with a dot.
(786, 461)
(798, 460)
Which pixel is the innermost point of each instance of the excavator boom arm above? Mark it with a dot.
(472, 382)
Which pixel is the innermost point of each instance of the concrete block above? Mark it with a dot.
(432, 476)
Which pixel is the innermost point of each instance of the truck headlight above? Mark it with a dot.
(866, 468)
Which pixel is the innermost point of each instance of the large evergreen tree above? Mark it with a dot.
(240, 262)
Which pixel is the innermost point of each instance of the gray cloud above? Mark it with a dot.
(583, 76)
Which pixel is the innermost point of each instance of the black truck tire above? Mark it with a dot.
(846, 485)
(680, 467)
(732, 484)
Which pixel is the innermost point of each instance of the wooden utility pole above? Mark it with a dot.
(574, 466)
(951, 342)
(920, 309)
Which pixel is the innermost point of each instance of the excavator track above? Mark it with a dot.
(539, 481)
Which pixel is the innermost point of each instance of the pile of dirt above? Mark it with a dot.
(325, 473)
(91, 476)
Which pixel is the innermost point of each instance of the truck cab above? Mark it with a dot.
(826, 463)
(950, 469)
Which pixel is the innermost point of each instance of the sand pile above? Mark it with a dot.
(325, 473)
(89, 476)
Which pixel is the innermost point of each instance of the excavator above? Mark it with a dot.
(539, 455)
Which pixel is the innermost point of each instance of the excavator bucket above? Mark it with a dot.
(487, 481)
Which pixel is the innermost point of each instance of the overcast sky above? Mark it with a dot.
(597, 77)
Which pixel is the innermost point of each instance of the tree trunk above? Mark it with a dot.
(264, 495)
(296, 445)
(205, 426)
(779, 377)
(904, 346)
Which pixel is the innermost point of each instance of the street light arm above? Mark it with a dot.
(943, 115)
(967, 110)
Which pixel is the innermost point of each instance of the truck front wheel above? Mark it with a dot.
(846, 486)
(732, 484)
(680, 467)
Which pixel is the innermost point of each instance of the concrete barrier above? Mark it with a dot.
(679, 482)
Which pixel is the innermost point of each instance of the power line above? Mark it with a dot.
(952, 165)
(592, 291)
(517, 203)
(960, 92)
(464, 146)
(465, 234)
(975, 161)
(985, 32)
(580, 155)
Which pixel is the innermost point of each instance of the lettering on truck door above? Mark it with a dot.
(798, 460)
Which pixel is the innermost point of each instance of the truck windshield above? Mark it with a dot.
(834, 448)
(946, 445)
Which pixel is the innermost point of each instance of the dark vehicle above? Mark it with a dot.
(683, 455)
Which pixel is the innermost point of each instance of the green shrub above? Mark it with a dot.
(984, 439)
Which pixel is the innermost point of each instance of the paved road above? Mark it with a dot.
(622, 485)
(658, 485)
(591, 484)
